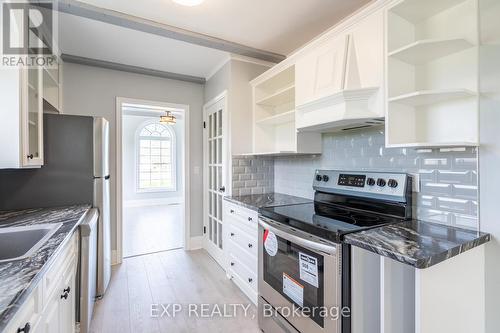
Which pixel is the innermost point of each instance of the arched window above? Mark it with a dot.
(155, 157)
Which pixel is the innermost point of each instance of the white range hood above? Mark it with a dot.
(346, 109)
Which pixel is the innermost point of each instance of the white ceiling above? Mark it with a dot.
(93, 39)
(279, 26)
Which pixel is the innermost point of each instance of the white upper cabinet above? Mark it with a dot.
(339, 83)
(26, 92)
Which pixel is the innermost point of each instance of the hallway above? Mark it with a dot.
(166, 278)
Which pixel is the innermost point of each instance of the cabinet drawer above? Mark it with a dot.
(30, 313)
(234, 251)
(246, 216)
(65, 261)
(243, 272)
(243, 239)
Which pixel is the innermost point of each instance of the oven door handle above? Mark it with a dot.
(294, 237)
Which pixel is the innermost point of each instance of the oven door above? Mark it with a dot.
(300, 271)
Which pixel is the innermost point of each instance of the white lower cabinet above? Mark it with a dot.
(51, 306)
(241, 249)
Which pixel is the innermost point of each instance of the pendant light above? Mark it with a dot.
(168, 118)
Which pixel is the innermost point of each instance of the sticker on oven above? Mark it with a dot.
(293, 289)
(270, 243)
(308, 269)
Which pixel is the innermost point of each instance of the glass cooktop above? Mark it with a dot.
(327, 221)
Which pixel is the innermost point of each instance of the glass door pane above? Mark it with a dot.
(34, 113)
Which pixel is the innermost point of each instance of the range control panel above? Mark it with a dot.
(382, 185)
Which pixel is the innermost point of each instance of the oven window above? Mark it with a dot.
(286, 261)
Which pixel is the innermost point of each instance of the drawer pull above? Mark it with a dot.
(250, 245)
(232, 234)
(30, 157)
(250, 219)
(232, 211)
(25, 329)
(250, 280)
(232, 263)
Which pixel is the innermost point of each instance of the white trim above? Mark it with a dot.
(152, 202)
(237, 57)
(119, 170)
(173, 157)
(254, 61)
(114, 258)
(196, 243)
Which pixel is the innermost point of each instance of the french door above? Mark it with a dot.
(214, 168)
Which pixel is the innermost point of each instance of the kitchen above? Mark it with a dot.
(338, 160)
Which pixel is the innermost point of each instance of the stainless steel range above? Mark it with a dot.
(304, 268)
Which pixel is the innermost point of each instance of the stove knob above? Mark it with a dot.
(392, 183)
(326, 178)
(381, 182)
(370, 181)
(319, 178)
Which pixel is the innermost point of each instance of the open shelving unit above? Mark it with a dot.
(51, 90)
(275, 131)
(432, 74)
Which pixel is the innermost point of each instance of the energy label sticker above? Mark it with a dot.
(270, 243)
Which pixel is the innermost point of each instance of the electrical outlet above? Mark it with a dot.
(416, 182)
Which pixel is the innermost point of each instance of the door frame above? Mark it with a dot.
(186, 244)
(225, 156)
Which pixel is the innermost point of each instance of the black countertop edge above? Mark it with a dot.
(413, 242)
(6, 314)
(256, 201)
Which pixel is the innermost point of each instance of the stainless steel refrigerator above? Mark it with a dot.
(75, 171)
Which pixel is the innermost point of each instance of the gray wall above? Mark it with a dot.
(131, 124)
(448, 177)
(93, 91)
(219, 82)
(489, 155)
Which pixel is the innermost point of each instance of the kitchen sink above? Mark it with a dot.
(17, 243)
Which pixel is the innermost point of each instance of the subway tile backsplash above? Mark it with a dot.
(448, 176)
(252, 175)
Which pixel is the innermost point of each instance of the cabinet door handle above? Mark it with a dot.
(232, 234)
(65, 296)
(25, 329)
(250, 245)
(250, 280)
(232, 211)
(222, 189)
(250, 219)
(232, 263)
(30, 156)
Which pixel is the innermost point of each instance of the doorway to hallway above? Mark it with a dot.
(153, 178)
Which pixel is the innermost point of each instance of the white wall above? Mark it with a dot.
(489, 155)
(131, 124)
(93, 91)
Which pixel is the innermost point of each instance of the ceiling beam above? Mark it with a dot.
(130, 69)
(133, 22)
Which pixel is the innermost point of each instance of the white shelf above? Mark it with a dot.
(418, 10)
(432, 144)
(430, 49)
(280, 97)
(278, 119)
(426, 97)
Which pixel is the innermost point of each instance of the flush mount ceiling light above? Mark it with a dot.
(168, 118)
(189, 3)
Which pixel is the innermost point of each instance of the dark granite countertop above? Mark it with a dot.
(256, 201)
(18, 278)
(416, 243)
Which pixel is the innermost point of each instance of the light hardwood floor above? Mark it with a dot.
(170, 277)
(151, 229)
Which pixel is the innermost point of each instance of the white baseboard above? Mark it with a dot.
(152, 202)
(196, 243)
